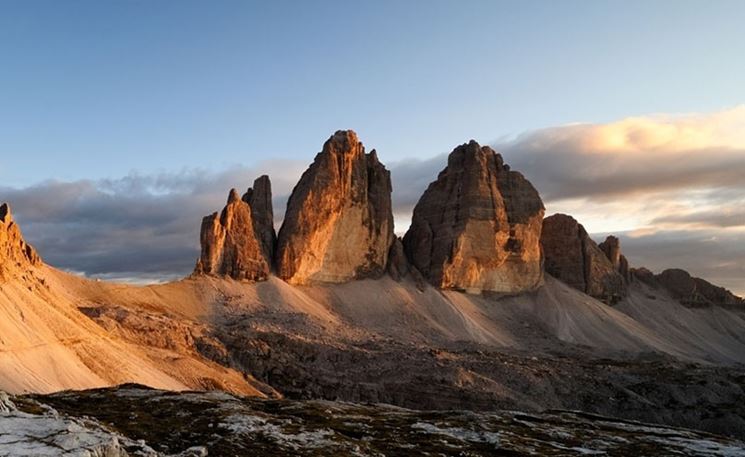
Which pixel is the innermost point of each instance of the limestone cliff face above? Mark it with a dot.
(574, 258)
(477, 227)
(240, 240)
(16, 256)
(339, 224)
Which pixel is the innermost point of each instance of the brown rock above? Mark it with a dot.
(477, 227)
(16, 256)
(574, 258)
(612, 249)
(339, 224)
(230, 244)
(259, 198)
(692, 291)
(644, 275)
(398, 264)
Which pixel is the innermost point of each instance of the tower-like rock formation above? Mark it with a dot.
(574, 258)
(339, 223)
(16, 256)
(259, 198)
(612, 249)
(478, 226)
(239, 241)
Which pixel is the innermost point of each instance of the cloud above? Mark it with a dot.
(634, 155)
(669, 180)
(670, 184)
(138, 227)
(711, 254)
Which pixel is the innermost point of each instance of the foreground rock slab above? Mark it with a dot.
(478, 226)
(219, 424)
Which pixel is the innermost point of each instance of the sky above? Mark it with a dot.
(122, 123)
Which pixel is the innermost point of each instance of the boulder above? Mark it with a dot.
(574, 258)
(339, 223)
(477, 227)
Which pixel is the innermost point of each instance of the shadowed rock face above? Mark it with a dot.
(478, 226)
(16, 256)
(692, 291)
(259, 198)
(612, 249)
(239, 241)
(574, 258)
(339, 224)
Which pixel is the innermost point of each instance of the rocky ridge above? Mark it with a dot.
(692, 291)
(574, 258)
(16, 256)
(477, 227)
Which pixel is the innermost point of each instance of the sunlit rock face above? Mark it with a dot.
(16, 256)
(339, 224)
(574, 258)
(239, 241)
(478, 226)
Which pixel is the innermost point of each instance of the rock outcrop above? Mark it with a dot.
(612, 249)
(259, 198)
(239, 242)
(477, 227)
(16, 256)
(574, 258)
(692, 291)
(339, 223)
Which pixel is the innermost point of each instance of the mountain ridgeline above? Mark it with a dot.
(478, 227)
(336, 307)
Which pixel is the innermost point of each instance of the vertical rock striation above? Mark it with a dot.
(16, 256)
(339, 223)
(259, 198)
(574, 258)
(239, 242)
(478, 226)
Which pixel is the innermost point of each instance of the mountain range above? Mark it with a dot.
(483, 304)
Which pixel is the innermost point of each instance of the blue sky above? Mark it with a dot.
(93, 89)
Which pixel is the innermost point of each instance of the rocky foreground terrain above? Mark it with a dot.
(482, 306)
(135, 421)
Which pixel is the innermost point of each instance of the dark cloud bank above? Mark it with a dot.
(146, 227)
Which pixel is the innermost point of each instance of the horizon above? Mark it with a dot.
(121, 127)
